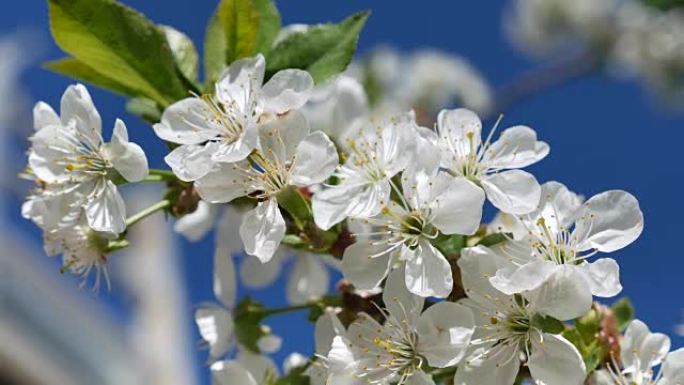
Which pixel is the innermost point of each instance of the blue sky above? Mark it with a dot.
(604, 133)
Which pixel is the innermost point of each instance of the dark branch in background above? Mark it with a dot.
(541, 79)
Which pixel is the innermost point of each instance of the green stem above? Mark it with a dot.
(165, 175)
(137, 217)
(440, 375)
(288, 309)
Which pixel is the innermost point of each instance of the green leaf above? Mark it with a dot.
(293, 240)
(450, 245)
(248, 330)
(548, 324)
(120, 42)
(590, 352)
(589, 326)
(78, 70)
(624, 312)
(184, 53)
(665, 4)
(323, 50)
(493, 239)
(238, 29)
(295, 377)
(144, 108)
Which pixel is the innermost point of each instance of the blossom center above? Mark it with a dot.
(82, 157)
(393, 349)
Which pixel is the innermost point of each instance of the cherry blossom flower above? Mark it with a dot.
(641, 351)
(338, 108)
(508, 330)
(493, 166)
(223, 128)
(562, 234)
(246, 369)
(433, 204)
(215, 322)
(289, 155)
(379, 152)
(402, 348)
(68, 154)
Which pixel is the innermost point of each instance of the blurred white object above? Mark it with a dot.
(546, 27)
(651, 46)
(438, 80)
(149, 268)
(15, 108)
(628, 36)
(51, 333)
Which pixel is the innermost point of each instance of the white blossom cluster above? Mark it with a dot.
(634, 38)
(299, 168)
(76, 201)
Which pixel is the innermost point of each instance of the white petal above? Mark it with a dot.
(45, 153)
(558, 206)
(197, 224)
(636, 332)
(127, 158)
(499, 368)
(44, 115)
(215, 325)
(362, 265)
(191, 161)
(188, 121)
(564, 295)
(224, 183)
(512, 191)
(332, 205)
(228, 229)
(262, 230)
(445, 330)
(240, 82)
(52, 211)
(399, 302)
(255, 274)
(514, 279)
(259, 366)
(350, 104)
(229, 152)
(640, 349)
(225, 282)
(609, 221)
(328, 326)
(477, 264)
(279, 137)
(507, 223)
(420, 378)
(517, 147)
(601, 377)
(287, 90)
(396, 148)
(342, 362)
(105, 209)
(458, 210)
(77, 105)
(673, 368)
(308, 280)
(556, 361)
(231, 373)
(427, 146)
(294, 360)
(428, 274)
(455, 127)
(316, 159)
(603, 277)
(269, 343)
